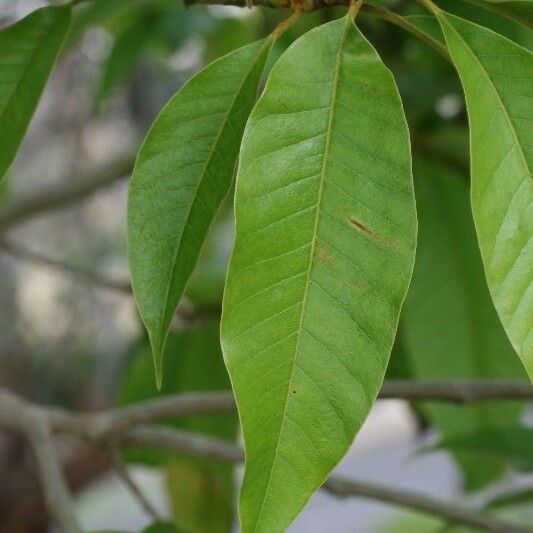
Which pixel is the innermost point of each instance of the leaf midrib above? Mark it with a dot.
(311, 253)
(200, 181)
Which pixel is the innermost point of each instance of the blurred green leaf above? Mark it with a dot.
(28, 51)
(128, 46)
(96, 12)
(494, 71)
(513, 445)
(511, 499)
(229, 34)
(193, 362)
(161, 527)
(449, 326)
(182, 175)
(199, 490)
(201, 495)
(519, 10)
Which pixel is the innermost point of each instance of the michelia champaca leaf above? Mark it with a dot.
(28, 50)
(497, 78)
(325, 240)
(182, 174)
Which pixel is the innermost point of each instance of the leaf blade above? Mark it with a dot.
(183, 173)
(28, 49)
(501, 160)
(293, 147)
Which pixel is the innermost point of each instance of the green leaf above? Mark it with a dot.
(183, 172)
(326, 230)
(450, 329)
(511, 499)
(514, 445)
(28, 51)
(161, 527)
(495, 73)
(201, 495)
(127, 49)
(426, 24)
(519, 10)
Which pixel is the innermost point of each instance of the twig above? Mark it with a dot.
(31, 421)
(451, 513)
(461, 392)
(55, 489)
(107, 424)
(122, 471)
(56, 197)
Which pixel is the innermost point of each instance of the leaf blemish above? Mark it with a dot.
(359, 225)
(363, 228)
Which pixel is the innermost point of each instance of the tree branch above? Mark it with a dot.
(22, 417)
(200, 446)
(89, 276)
(56, 197)
(122, 472)
(126, 425)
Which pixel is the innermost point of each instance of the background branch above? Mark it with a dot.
(56, 197)
(200, 446)
(126, 425)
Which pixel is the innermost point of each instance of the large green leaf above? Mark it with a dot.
(183, 172)
(28, 51)
(449, 326)
(325, 240)
(497, 79)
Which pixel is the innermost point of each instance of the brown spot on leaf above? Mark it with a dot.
(360, 226)
(363, 228)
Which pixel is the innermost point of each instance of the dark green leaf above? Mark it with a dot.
(181, 177)
(28, 51)
(326, 231)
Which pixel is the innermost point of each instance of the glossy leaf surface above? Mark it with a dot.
(497, 79)
(183, 172)
(28, 50)
(449, 326)
(325, 240)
